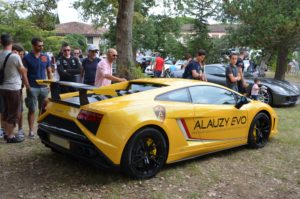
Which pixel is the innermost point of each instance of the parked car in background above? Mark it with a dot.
(168, 64)
(276, 92)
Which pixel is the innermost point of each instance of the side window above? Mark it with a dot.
(211, 95)
(180, 95)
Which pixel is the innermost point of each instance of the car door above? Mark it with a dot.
(178, 106)
(216, 117)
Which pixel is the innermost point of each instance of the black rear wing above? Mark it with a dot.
(55, 89)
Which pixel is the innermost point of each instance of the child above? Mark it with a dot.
(255, 89)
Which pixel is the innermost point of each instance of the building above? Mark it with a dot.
(214, 31)
(93, 35)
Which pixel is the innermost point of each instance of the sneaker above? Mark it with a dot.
(14, 140)
(31, 135)
(1, 133)
(20, 134)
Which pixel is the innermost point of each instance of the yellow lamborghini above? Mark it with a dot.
(140, 125)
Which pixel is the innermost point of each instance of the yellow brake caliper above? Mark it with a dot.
(151, 144)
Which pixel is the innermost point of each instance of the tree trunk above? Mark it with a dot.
(281, 63)
(124, 37)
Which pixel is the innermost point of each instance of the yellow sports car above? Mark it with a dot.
(140, 125)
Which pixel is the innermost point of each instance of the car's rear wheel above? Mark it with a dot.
(144, 154)
(259, 131)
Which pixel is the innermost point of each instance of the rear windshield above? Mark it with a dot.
(138, 87)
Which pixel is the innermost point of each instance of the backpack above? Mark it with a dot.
(2, 70)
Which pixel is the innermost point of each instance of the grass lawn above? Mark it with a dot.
(29, 170)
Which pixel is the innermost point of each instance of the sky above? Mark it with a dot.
(67, 13)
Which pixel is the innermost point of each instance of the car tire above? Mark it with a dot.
(265, 96)
(145, 154)
(259, 131)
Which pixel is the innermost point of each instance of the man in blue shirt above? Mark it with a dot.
(89, 66)
(37, 65)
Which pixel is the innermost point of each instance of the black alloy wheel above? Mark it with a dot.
(259, 131)
(144, 154)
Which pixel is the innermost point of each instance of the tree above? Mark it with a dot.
(124, 36)
(53, 44)
(271, 25)
(119, 12)
(41, 12)
(76, 41)
(22, 30)
(200, 11)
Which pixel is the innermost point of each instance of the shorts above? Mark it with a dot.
(157, 73)
(10, 105)
(34, 96)
(21, 102)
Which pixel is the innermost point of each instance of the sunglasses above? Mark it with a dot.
(115, 55)
(67, 50)
(40, 46)
(76, 53)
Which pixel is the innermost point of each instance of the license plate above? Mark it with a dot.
(59, 141)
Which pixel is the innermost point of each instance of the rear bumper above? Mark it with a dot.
(79, 146)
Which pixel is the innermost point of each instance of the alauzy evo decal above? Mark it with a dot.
(220, 122)
(192, 130)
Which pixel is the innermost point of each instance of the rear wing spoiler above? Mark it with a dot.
(55, 89)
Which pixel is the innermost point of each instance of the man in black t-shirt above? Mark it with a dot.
(68, 66)
(193, 70)
(232, 75)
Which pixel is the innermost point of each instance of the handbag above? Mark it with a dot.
(3, 68)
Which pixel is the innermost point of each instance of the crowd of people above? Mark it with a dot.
(195, 69)
(18, 70)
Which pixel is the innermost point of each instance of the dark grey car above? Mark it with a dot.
(274, 92)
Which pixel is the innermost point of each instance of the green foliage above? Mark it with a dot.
(22, 30)
(266, 24)
(217, 49)
(41, 12)
(174, 48)
(53, 44)
(137, 73)
(76, 41)
(104, 12)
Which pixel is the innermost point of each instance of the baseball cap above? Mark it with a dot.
(92, 48)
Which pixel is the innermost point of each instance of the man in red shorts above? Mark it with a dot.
(158, 66)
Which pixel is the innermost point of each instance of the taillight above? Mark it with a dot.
(90, 120)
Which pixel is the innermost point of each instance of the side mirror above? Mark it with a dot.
(243, 100)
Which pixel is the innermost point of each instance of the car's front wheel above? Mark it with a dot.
(265, 96)
(259, 131)
(144, 154)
